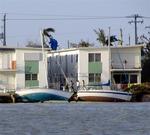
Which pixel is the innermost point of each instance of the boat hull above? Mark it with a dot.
(41, 95)
(103, 96)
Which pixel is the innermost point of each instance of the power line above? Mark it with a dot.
(71, 18)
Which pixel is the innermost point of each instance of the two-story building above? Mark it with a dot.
(95, 65)
(22, 67)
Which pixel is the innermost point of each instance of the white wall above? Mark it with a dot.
(105, 66)
(83, 66)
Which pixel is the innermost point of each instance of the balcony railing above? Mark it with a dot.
(125, 66)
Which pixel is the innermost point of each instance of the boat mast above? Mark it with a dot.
(44, 61)
(109, 51)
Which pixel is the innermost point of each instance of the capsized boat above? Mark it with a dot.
(42, 94)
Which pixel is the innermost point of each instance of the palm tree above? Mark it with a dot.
(101, 36)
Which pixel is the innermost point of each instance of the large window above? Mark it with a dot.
(31, 73)
(125, 78)
(121, 78)
(94, 78)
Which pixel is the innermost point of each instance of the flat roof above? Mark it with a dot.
(98, 48)
(21, 48)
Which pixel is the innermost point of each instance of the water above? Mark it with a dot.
(62, 118)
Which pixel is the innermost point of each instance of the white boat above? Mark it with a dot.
(103, 95)
(42, 94)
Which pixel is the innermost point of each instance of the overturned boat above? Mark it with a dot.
(42, 94)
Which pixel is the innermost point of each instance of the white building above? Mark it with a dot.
(21, 67)
(92, 65)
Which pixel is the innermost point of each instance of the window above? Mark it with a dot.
(97, 57)
(97, 77)
(94, 57)
(94, 78)
(30, 77)
(124, 78)
(71, 58)
(117, 78)
(91, 57)
(133, 78)
(76, 58)
(27, 76)
(91, 77)
(34, 76)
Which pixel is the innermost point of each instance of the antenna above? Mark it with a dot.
(135, 21)
(4, 31)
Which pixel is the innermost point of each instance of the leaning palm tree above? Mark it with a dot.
(101, 36)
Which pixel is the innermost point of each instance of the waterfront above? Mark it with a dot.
(62, 118)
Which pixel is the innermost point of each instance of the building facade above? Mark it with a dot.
(95, 65)
(22, 67)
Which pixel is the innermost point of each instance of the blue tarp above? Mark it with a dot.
(54, 44)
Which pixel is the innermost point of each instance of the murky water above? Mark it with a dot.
(62, 118)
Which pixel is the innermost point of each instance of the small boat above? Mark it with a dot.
(42, 94)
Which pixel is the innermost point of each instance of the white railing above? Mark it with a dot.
(125, 66)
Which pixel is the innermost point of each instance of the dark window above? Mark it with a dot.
(117, 78)
(27, 76)
(34, 76)
(133, 78)
(91, 77)
(97, 57)
(91, 57)
(124, 78)
(76, 58)
(71, 58)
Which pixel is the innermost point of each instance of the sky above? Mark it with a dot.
(73, 20)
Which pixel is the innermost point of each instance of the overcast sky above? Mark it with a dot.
(53, 13)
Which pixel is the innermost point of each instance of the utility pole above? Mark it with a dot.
(135, 21)
(4, 30)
